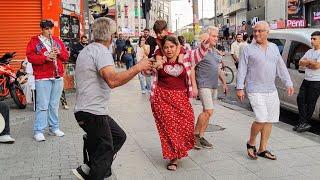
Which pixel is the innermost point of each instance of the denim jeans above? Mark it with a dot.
(129, 61)
(47, 104)
(145, 82)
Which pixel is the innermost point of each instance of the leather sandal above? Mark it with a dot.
(253, 148)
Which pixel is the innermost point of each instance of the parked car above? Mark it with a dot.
(293, 44)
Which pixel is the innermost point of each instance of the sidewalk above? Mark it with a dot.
(141, 157)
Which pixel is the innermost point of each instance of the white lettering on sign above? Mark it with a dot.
(316, 15)
(296, 23)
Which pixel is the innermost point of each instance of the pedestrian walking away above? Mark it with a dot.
(310, 88)
(47, 54)
(128, 54)
(207, 75)
(170, 100)
(259, 64)
(95, 77)
(120, 43)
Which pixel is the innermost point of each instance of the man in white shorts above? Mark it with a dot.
(260, 63)
(207, 73)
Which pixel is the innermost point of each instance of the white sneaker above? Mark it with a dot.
(143, 91)
(57, 133)
(7, 139)
(39, 137)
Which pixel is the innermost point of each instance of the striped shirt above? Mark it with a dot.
(191, 58)
(258, 69)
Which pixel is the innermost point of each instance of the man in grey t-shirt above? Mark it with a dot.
(95, 77)
(310, 88)
(207, 73)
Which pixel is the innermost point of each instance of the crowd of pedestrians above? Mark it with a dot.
(172, 73)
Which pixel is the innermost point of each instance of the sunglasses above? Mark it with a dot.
(259, 30)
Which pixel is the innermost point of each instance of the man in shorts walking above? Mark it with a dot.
(207, 73)
(260, 63)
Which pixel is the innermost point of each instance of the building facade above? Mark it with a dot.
(160, 9)
(128, 17)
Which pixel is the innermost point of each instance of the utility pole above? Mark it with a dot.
(215, 13)
(196, 28)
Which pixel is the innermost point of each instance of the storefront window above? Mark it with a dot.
(313, 13)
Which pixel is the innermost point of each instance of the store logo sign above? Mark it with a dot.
(316, 15)
(296, 23)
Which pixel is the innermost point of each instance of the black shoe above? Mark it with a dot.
(296, 127)
(304, 127)
(80, 174)
(108, 174)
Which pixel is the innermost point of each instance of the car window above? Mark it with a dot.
(280, 43)
(297, 51)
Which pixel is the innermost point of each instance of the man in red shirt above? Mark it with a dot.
(47, 54)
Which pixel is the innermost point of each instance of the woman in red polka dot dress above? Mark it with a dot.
(170, 103)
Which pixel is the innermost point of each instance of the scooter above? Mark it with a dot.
(9, 82)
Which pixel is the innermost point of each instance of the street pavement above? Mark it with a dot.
(141, 157)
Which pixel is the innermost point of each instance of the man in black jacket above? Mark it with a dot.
(78, 47)
(151, 41)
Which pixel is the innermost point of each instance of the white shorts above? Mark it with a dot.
(208, 97)
(266, 106)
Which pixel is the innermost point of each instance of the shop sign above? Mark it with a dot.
(316, 15)
(296, 23)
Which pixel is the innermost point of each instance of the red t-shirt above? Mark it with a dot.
(173, 76)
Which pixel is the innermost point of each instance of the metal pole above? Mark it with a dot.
(195, 18)
(177, 26)
(147, 19)
(202, 13)
(215, 13)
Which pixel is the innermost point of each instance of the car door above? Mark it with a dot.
(296, 52)
(280, 86)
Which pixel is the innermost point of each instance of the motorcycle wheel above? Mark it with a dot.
(18, 96)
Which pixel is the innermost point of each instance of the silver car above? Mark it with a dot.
(293, 44)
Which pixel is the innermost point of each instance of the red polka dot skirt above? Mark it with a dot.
(174, 119)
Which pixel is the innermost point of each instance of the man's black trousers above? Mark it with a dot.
(307, 99)
(104, 139)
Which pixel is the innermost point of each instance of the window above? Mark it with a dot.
(280, 43)
(297, 51)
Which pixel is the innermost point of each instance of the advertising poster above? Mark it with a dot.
(295, 9)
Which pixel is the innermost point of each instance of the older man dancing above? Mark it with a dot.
(260, 63)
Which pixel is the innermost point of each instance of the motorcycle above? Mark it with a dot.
(9, 82)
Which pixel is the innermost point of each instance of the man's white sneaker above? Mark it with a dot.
(39, 137)
(7, 139)
(143, 91)
(56, 133)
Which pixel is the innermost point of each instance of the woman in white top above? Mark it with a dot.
(143, 50)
